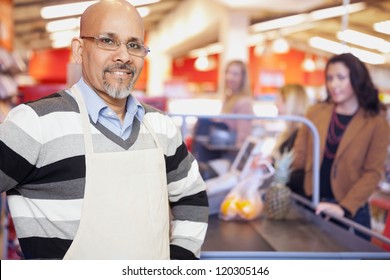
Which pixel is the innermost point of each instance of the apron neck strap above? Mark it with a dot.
(84, 119)
(151, 130)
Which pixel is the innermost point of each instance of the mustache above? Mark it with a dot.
(120, 66)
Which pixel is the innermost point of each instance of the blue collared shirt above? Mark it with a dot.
(100, 112)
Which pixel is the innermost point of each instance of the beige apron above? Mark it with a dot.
(125, 212)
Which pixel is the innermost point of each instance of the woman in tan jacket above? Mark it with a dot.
(354, 136)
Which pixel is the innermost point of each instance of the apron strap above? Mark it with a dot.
(84, 119)
(151, 130)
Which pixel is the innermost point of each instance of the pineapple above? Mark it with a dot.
(278, 196)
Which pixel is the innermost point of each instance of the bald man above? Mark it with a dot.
(92, 173)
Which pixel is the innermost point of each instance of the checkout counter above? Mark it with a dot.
(302, 235)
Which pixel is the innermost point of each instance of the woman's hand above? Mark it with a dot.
(331, 208)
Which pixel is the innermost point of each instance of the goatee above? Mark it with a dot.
(119, 92)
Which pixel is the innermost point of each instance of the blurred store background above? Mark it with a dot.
(284, 41)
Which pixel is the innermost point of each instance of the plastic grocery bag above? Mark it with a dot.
(244, 201)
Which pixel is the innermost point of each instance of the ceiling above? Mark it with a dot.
(30, 32)
(30, 28)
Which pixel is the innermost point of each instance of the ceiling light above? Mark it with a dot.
(338, 48)
(337, 11)
(142, 2)
(364, 40)
(65, 10)
(308, 64)
(383, 27)
(62, 43)
(143, 11)
(255, 39)
(368, 57)
(327, 45)
(68, 34)
(204, 63)
(63, 24)
(280, 45)
(279, 23)
(214, 48)
(62, 39)
(301, 18)
(208, 50)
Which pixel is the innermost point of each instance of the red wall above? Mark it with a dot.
(184, 69)
(6, 25)
(287, 65)
(49, 66)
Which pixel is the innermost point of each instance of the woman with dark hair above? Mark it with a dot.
(354, 136)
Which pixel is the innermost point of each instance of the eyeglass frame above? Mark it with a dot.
(116, 43)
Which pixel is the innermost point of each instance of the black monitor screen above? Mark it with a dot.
(244, 156)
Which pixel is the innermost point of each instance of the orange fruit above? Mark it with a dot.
(228, 206)
(246, 209)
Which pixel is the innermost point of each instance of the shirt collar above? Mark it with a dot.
(95, 103)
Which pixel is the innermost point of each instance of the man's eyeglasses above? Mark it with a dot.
(111, 44)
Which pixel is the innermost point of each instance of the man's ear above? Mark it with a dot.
(77, 49)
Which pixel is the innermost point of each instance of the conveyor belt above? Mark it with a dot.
(302, 235)
(293, 234)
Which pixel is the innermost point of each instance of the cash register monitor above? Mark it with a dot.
(218, 187)
(241, 160)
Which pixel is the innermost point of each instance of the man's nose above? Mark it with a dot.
(121, 54)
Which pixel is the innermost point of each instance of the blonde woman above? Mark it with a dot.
(291, 100)
(237, 99)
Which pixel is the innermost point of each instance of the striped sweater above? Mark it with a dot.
(42, 168)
